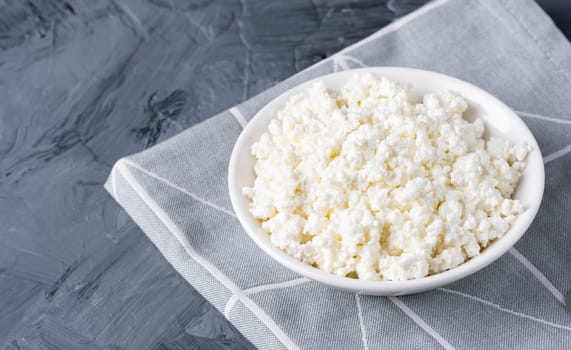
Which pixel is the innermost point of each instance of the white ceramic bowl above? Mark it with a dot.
(499, 120)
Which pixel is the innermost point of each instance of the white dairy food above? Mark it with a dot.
(366, 183)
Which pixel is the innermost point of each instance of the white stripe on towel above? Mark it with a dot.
(361, 322)
(419, 321)
(540, 276)
(239, 116)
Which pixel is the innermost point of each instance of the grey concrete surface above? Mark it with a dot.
(83, 83)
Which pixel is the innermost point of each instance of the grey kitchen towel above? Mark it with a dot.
(177, 193)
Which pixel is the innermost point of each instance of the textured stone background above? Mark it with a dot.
(83, 83)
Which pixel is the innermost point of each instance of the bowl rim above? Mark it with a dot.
(379, 287)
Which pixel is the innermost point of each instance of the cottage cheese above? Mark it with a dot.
(366, 183)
